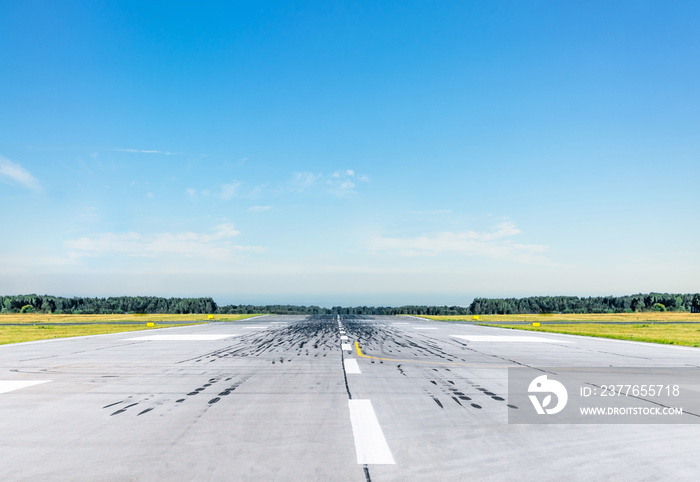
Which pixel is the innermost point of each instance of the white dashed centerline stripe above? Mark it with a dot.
(12, 385)
(344, 337)
(370, 444)
(351, 366)
(345, 346)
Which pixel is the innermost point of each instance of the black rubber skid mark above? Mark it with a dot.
(365, 469)
(438, 402)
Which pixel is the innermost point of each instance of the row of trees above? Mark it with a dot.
(595, 304)
(535, 304)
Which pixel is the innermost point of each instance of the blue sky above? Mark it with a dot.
(377, 153)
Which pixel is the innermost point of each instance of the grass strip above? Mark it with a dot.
(641, 318)
(17, 334)
(665, 333)
(38, 318)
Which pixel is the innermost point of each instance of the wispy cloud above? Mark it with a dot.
(225, 192)
(494, 244)
(229, 190)
(148, 151)
(304, 180)
(258, 209)
(216, 245)
(433, 211)
(344, 182)
(10, 171)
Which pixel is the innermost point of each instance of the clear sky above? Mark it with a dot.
(378, 153)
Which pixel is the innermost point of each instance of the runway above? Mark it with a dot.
(295, 398)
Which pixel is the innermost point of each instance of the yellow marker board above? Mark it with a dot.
(476, 317)
(535, 324)
(150, 324)
(210, 317)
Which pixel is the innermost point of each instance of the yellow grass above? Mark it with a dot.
(31, 318)
(646, 317)
(16, 334)
(667, 333)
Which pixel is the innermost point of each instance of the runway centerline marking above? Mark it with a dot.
(12, 385)
(189, 337)
(508, 339)
(345, 346)
(344, 337)
(370, 444)
(351, 366)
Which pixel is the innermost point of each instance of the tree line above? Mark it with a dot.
(530, 305)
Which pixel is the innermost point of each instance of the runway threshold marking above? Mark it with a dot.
(351, 366)
(473, 365)
(370, 444)
(12, 385)
(191, 337)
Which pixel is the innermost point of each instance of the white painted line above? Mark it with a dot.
(342, 332)
(351, 366)
(370, 444)
(518, 339)
(344, 338)
(399, 323)
(425, 328)
(346, 346)
(188, 337)
(253, 327)
(11, 385)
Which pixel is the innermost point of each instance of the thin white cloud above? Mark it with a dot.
(433, 211)
(472, 243)
(343, 183)
(210, 246)
(229, 190)
(259, 209)
(304, 180)
(147, 151)
(10, 171)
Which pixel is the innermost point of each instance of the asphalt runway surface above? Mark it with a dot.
(290, 398)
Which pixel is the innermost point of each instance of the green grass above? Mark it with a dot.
(17, 334)
(641, 318)
(666, 333)
(38, 318)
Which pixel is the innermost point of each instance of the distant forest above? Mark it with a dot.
(485, 306)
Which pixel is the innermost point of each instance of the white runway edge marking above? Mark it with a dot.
(181, 337)
(344, 337)
(345, 346)
(370, 444)
(518, 339)
(351, 366)
(11, 385)
(425, 328)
